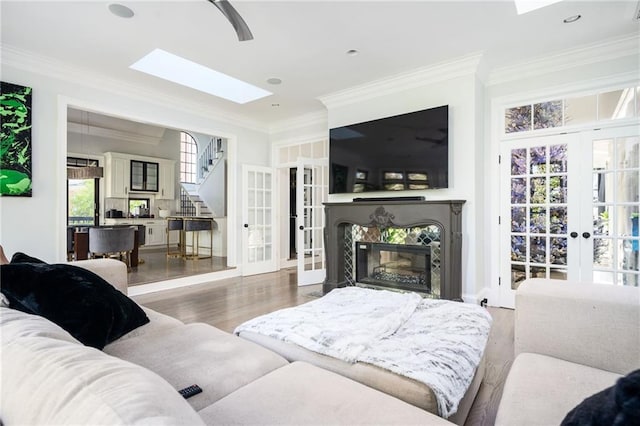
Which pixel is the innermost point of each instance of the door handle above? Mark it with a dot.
(586, 235)
(573, 234)
(301, 227)
(246, 225)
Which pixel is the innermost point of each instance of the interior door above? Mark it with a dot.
(312, 183)
(539, 192)
(257, 218)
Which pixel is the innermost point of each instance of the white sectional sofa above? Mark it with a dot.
(48, 377)
(571, 341)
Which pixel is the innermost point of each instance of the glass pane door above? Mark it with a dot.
(312, 189)
(258, 247)
(538, 185)
(572, 205)
(615, 196)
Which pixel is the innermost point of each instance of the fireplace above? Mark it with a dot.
(399, 244)
(403, 266)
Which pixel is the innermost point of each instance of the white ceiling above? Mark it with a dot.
(303, 42)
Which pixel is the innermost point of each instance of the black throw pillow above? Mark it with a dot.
(76, 299)
(20, 257)
(616, 406)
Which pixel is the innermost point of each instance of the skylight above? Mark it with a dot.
(170, 67)
(524, 6)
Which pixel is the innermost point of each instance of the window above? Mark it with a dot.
(611, 105)
(188, 156)
(82, 195)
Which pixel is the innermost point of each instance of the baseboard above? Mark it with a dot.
(476, 298)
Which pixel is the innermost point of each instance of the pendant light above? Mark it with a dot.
(85, 172)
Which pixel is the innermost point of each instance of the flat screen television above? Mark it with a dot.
(404, 152)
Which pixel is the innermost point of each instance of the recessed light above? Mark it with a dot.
(182, 71)
(352, 52)
(120, 10)
(274, 81)
(571, 19)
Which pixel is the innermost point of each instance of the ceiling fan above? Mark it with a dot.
(241, 27)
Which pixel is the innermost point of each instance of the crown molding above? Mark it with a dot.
(47, 66)
(299, 122)
(571, 58)
(463, 66)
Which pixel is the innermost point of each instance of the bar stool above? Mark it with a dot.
(195, 225)
(175, 224)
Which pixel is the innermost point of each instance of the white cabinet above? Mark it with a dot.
(156, 232)
(117, 175)
(167, 188)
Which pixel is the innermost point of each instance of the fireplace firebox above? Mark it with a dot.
(406, 267)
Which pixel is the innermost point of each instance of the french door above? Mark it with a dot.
(569, 208)
(257, 232)
(311, 192)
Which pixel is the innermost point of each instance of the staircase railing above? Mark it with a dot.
(187, 208)
(208, 158)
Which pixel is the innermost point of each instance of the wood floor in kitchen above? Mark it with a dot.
(157, 266)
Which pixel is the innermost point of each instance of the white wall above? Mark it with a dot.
(36, 225)
(461, 94)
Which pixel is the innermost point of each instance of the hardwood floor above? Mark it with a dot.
(227, 303)
(156, 266)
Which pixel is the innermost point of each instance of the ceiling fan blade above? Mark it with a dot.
(241, 27)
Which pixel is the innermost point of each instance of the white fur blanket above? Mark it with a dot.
(437, 342)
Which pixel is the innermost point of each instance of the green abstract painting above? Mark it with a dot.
(15, 142)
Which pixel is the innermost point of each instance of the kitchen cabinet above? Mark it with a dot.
(133, 173)
(167, 188)
(117, 175)
(156, 232)
(144, 176)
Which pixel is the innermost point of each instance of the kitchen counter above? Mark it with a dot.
(157, 237)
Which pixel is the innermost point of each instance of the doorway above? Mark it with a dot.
(148, 137)
(293, 252)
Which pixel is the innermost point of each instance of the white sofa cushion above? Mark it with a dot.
(49, 379)
(591, 324)
(200, 354)
(301, 393)
(15, 324)
(541, 390)
(157, 323)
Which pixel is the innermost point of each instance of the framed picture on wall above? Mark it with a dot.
(15, 140)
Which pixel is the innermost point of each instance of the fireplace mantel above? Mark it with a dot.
(396, 213)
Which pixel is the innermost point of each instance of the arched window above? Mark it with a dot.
(188, 158)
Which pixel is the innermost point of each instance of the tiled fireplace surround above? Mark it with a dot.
(384, 242)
